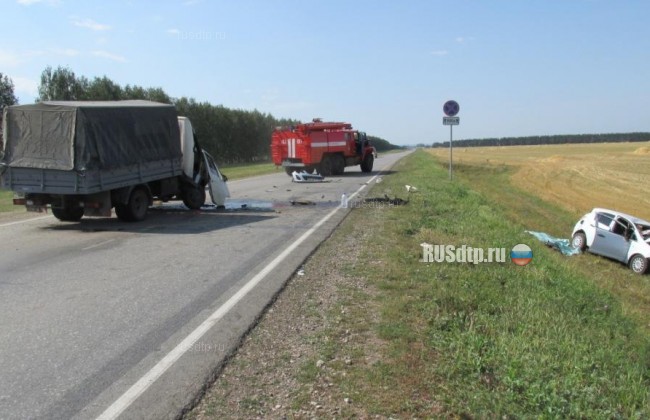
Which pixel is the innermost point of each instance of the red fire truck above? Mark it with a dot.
(326, 147)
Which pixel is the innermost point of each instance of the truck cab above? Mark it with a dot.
(200, 166)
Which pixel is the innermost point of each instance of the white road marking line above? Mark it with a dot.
(96, 245)
(26, 221)
(137, 389)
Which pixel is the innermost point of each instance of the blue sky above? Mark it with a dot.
(516, 67)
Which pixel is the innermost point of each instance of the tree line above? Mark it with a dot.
(555, 139)
(230, 135)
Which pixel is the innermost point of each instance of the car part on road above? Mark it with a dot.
(305, 177)
(563, 245)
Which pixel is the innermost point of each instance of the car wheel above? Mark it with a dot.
(579, 241)
(639, 264)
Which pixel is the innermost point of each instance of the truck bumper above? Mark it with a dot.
(286, 164)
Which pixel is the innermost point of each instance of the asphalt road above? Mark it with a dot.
(131, 320)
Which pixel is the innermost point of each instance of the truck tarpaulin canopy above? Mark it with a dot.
(90, 135)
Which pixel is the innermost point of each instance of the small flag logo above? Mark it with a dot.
(521, 254)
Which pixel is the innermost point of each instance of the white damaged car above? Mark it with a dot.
(615, 235)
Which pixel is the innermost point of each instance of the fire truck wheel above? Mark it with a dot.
(289, 170)
(310, 169)
(338, 164)
(325, 168)
(366, 165)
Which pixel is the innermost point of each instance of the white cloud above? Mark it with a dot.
(173, 31)
(34, 53)
(9, 59)
(25, 86)
(109, 56)
(68, 52)
(90, 24)
(48, 2)
(439, 53)
(191, 2)
(464, 39)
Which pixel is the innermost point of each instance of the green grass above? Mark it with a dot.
(247, 170)
(6, 202)
(492, 340)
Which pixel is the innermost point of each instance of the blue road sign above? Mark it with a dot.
(451, 108)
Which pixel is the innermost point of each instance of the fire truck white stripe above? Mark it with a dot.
(331, 144)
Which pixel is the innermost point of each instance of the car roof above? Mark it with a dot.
(631, 218)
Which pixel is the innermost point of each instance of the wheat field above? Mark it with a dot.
(577, 177)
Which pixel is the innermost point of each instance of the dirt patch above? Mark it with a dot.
(554, 159)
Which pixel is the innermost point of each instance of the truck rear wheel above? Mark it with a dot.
(136, 209)
(194, 197)
(338, 164)
(366, 164)
(325, 166)
(68, 214)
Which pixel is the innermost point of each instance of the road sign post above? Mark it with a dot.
(451, 108)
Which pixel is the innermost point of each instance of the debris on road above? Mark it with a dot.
(302, 202)
(387, 200)
(562, 245)
(306, 177)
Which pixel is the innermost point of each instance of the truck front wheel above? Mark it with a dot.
(194, 197)
(68, 214)
(366, 164)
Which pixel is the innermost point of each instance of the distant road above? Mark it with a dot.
(109, 318)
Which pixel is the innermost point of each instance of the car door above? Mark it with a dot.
(612, 242)
(217, 182)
